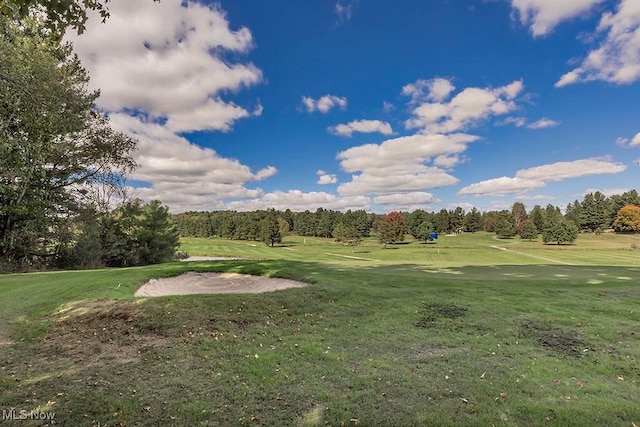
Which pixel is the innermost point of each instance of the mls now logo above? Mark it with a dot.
(13, 415)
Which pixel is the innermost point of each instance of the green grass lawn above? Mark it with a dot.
(452, 333)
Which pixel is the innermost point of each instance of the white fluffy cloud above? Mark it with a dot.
(324, 104)
(532, 178)
(465, 109)
(543, 123)
(447, 161)
(629, 142)
(617, 59)
(299, 201)
(326, 178)
(164, 59)
(577, 168)
(406, 199)
(437, 89)
(516, 121)
(362, 126)
(366, 183)
(606, 191)
(183, 175)
(406, 202)
(344, 10)
(163, 69)
(535, 198)
(406, 154)
(423, 161)
(543, 15)
(501, 187)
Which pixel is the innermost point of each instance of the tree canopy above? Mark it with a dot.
(528, 230)
(270, 229)
(56, 145)
(59, 14)
(391, 228)
(560, 232)
(628, 219)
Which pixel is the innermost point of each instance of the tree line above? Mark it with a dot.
(62, 167)
(594, 213)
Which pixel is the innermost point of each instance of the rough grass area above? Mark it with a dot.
(385, 343)
(562, 342)
(435, 310)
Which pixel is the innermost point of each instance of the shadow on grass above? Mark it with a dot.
(306, 271)
(26, 298)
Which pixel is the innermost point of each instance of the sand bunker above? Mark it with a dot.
(214, 283)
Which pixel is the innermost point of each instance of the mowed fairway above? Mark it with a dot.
(467, 331)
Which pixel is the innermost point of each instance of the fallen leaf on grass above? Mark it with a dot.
(464, 400)
(482, 376)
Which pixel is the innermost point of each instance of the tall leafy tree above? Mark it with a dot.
(618, 201)
(59, 15)
(489, 221)
(574, 213)
(414, 220)
(560, 232)
(54, 141)
(346, 231)
(528, 231)
(473, 220)
(270, 229)
(456, 220)
(396, 222)
(385, 233)
(519, 213)
(537, 216)
(326, 222)
(552, 213)
(157, 237)
(628, 219)
(306, 223)
(505, 226)
(425, 231)
(361, 220)
(442, 221)
(595, 211)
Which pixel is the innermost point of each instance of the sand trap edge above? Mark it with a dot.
(193, 283)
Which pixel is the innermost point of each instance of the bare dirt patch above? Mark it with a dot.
(561, 341)
(100, 332)
(433, 311)
(214, 283)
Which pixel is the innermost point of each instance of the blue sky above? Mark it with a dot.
(374, 104)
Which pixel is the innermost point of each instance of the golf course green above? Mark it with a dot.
(470, 330)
